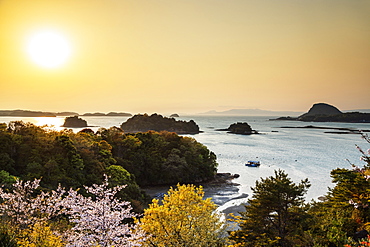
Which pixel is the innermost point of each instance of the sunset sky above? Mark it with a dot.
(185, 56)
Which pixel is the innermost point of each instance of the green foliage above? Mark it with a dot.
(66, 158)
(275, 214)
(120, 176)
(7, 237)
(161, 157)
(329, 225)
(345, 209)
(6, 180)
(74, 159)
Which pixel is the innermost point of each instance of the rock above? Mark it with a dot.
(240, 128)
(74, 122)
(174, 115)
(288, 118)
(144, 123)
(222, 178)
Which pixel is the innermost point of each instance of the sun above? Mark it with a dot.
(49, 48)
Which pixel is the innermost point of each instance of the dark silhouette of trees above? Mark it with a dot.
(275, 214)
(156, 122)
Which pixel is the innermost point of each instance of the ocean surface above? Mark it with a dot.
(301, 153)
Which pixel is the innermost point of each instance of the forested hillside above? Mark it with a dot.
(76, 159)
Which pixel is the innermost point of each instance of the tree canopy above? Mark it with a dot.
(274, 214)
(76, 159)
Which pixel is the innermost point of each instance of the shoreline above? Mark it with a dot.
(224, 193)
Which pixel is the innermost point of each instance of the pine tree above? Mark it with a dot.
(274, 215)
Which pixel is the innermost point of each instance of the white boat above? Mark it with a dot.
(252, 163)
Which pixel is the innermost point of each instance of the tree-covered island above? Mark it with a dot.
(156, 122)
(240, 128)
(74, 122)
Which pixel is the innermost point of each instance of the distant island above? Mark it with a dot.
(74, 122)
(27, 113)
(322, 112)
(240, 128)
(156, 122)
(110, 114)
(251, 112)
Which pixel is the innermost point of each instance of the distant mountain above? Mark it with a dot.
(252, 112)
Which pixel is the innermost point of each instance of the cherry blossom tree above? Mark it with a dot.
(99, 220)
(23, 208)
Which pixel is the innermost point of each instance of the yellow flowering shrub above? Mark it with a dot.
(182, 218)
(39, 235)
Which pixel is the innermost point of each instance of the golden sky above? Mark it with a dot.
(188, 56)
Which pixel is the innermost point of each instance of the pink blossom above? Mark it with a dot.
(97, 222)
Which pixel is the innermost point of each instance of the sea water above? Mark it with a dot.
(301, 153)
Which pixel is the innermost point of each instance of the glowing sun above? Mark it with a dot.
(48, 49)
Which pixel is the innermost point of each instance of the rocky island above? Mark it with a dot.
(240, 128)
(322, 112)
(74, 122)
(156, 122)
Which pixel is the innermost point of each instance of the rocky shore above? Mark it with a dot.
(223, 191)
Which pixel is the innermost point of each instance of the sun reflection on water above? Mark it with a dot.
(54, 123)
